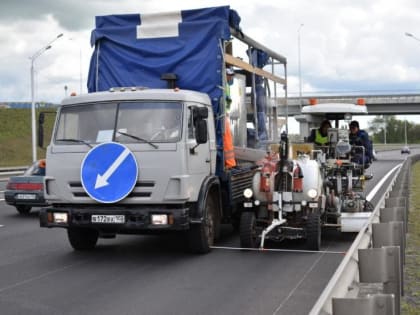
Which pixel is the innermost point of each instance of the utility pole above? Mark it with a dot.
(299, 68)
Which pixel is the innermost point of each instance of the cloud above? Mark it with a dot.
(345, 45)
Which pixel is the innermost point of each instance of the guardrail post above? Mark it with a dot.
(382, 265)
(394, 214)
(377, 304)
(401, 191)
(397, 202)
(391, 234)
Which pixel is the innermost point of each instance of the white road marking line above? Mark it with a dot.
(280, 250)
(40, 276)
(298, 284)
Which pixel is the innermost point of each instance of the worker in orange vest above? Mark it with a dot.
(227, 136)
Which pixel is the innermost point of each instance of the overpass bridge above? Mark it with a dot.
(393, 104)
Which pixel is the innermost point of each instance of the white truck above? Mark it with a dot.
(143, 152)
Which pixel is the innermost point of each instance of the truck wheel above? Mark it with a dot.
(23, 209)
(247, 230)
(313, 231)
(82, 238)
(236, 223)
(201, 236)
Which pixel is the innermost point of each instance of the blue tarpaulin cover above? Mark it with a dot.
(136, 49)
(186, 43)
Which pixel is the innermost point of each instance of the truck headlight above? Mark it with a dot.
(159, 219)
(60, 217)
(312, 193)
(248, 193)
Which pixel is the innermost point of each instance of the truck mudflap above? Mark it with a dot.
(118, 220)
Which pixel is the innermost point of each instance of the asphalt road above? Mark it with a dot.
(41, 274)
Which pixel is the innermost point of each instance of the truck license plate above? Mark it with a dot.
(26, 196)
(313, 204)
(114, 219)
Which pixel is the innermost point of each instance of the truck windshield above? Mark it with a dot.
(124, 122)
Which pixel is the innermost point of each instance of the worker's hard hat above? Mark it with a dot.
(42, 163)
(229, 71)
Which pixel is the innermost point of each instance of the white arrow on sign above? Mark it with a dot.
(102, 180)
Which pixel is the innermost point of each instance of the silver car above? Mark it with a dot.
(27, 190)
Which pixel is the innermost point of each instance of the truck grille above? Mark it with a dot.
(142, 189)
(240, 180)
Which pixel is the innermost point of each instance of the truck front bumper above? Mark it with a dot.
(118, 220)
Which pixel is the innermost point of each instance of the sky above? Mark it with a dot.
(346, 47)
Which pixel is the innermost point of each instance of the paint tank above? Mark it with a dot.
(311, 174)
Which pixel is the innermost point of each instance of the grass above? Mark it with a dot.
(410, 303)
(16, 136)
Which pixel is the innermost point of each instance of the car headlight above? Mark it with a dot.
(248, 193)
(312, 193)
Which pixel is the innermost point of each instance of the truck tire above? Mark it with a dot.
(247, 230)
(82, 238)
(313, 231)
(23, 209)
(201, 236)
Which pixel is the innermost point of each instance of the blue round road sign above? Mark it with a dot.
(109, 172)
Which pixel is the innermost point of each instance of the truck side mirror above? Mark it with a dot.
(200, 113)
(201, 131)
(41, 136)
(41, 120)
(200, 125)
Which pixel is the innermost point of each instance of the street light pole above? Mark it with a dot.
(384, 129)
(412, 36)
(33, 58)
(80, 68)
(405, 120)
(299, 68)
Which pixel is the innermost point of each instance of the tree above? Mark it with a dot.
(394, 128)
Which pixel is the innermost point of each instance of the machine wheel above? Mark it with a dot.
(368, 207)
(201, 236)
(23, 209)
(82, 238)
(248, 230)
(313, 231)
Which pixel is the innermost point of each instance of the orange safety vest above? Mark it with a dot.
(228, 146)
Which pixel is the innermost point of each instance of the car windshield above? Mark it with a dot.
(126, 122)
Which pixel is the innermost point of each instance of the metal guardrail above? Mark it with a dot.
(6, 172)
(376, 255)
